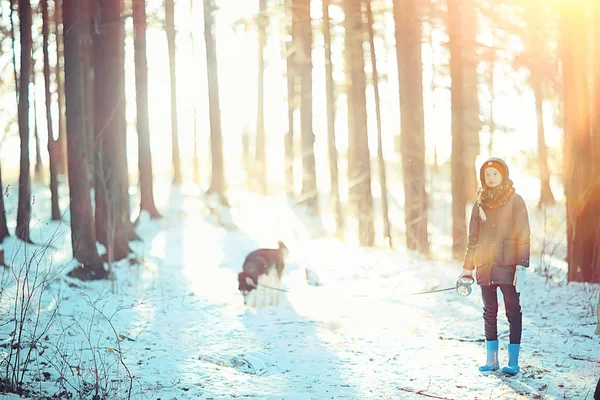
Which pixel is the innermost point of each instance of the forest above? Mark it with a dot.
(362, 124)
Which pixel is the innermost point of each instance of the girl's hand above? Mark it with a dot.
(519, 280)
(465, 272)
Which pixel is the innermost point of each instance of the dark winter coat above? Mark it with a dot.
(500, 243)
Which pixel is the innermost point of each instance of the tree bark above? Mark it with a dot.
(3, 225)
(261, 156)
(291, 100)
(143, 125)
(471, 122)
(535, 55)
(217, 184)
(596, 86)
(458, 167)
(594, 207)
(87, 66)
(24, 206)
(546, 196)
(358, 147)
(491, 84)
(61, 146)
(170, 29)
(13, 46)
(37, 168)
(387, 234)
(197, 179)
(304, 66)
(412, 137)
(55, 210)
(83, 235)
(113, 226)
(247, 159)
(4, 233)
(331, 140)
(582, 180)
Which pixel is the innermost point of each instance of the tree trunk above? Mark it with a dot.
(492, 121)
(534, 23)
(3, 225)
(261, 156)
(291, 102)
(597, 332)
(247, 159)
(596, 91)
(434, 70)
(112, 206)
(61, 146)
(594, 207)
(143, 125)
(24, 207)
(197, 179)
(471, 122)
(170, 28)
(387, 235)
(546, 196)
(124, 205)
(301, 8)
(291, 77)
(412, 138)
(359, 159)
(217, 184)
(49, 125)
(331, 141)
(86, 55)
(458, 168)
(37, 168)
(83, 235)
(13, 45)
(581, 178)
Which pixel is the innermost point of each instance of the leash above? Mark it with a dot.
(274, 288)
(271, 287)
(417, 293)
(404, 294)
(463, 288)
(430, 291)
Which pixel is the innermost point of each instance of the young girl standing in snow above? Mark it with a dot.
(499, 248)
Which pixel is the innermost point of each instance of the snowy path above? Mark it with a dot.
(359, 336)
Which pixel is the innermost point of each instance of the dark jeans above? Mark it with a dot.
(490, 311)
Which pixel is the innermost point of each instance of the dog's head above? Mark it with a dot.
(245, 283)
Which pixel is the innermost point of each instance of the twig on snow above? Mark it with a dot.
(584, 359)
(571, 332)
(420, 393)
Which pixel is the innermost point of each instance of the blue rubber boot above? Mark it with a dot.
(513, 360)
(491, 347)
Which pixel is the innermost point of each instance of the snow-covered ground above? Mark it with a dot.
(176, 324)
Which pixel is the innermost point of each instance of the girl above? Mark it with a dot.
(499, 248)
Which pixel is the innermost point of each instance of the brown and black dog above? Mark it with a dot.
(260, 279)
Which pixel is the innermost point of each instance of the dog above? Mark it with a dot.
(260, 279)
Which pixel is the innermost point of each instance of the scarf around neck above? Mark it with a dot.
(496, 197)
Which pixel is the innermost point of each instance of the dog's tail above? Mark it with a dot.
(283, 250)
